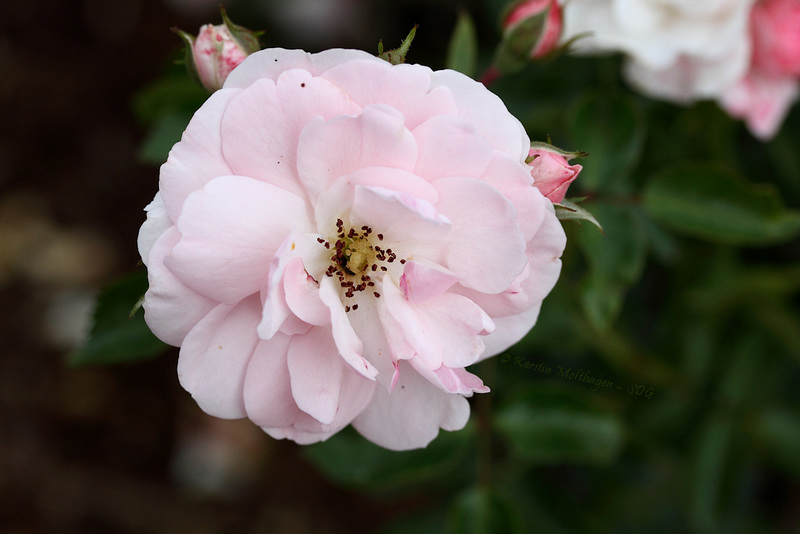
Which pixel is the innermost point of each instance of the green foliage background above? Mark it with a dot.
(686, 310)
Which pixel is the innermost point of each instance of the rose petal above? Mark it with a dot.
(154, 226)
(406, 88)
(261, 126)
(343, 145)
(230, 231)
(197, 158)
(486, 111)
(485, 246)
(410, 416)
(450, 146)
(215, 355)
(170, 308)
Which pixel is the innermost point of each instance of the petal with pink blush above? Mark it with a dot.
(408, 223)
(406, 88)
(277, 314)
(487, 112)
(214, 357)
(262, 125)
(419, 283)
(445, 330)
(450, 146)
(485, 246)
(316, 370)
(411, 415)
(230, 231)
(349, 345)
(197, 158)
(456, 381)
(513, 180)
(343, 145)
(170, 308)
(544, 257)
(338, 199)
(302, 295)
(272, 62)
(267, 386)
(154, 226)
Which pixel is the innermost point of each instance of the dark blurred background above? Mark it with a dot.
(124, 449)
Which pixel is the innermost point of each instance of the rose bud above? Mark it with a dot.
(531, 30)
(551, 171)
(217, 50)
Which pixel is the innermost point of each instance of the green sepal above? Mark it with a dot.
(247, 39)
(514, 51)
(540, 145)
(188, 41)
(397, 56)
(569, 210)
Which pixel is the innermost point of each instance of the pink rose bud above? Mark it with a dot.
(533, 27)
(551, 172)
(775, 26)
(217, 50)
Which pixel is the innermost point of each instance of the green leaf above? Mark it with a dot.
(713, 203)
(162, 136)
(432, 522)
(567, 210)
(610, 128)
(349, 459)
(708, 473)
(551, 426)
(174, 93)
(777, 432)
(616, 261)
(117, 336)
(483, 511)
(462, 52)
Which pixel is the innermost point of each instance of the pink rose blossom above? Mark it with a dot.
(551, 173)
(335, 239)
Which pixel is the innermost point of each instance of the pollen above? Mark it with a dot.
(354, 256)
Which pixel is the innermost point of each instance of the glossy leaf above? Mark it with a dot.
(462, 52)
(349, 459)
(482, 510)
(119, 334)
(550, 426)
(714, 203)
(610, 129)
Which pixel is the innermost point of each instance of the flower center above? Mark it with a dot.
(355, 259)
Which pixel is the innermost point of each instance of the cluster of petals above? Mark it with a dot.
(336, 238)
(682, 51)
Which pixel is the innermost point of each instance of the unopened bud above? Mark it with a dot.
(217, 50)
(551, 170)
(531, 30)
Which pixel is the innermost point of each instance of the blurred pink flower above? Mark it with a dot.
(763, 97)
(775, 29)
(335, 239)
(551, 173)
